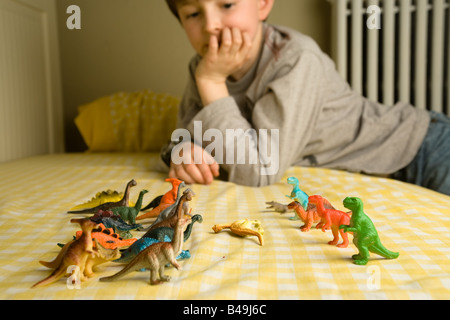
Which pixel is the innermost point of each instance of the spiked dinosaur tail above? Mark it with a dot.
(379, 249)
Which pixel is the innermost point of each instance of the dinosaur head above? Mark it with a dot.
(197, 218)
(144, 191)
(86, 224)
(315, 199)
(294, 204)
(292, 180)
(188, 194)
(132, 183)
(174, 181)
(353, 203)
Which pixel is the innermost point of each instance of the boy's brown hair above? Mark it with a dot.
(173, 7)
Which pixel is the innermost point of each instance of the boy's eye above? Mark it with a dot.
(228, 5)
(192, 15)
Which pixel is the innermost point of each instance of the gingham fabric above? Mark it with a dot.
(35, 194)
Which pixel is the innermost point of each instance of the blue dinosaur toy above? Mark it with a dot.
(143, 243)
(297, 194)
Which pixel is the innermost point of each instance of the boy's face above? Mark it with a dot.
(203, 18)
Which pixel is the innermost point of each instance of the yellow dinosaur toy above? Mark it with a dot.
(243, 228)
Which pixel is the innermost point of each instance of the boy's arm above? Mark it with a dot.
(281, 124)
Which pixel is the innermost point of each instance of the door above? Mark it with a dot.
(30, 87)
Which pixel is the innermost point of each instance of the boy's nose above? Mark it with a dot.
(213, 24)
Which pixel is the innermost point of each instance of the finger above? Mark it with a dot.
(227, 40)
(237, 40)
(194, 173)
(206, 173)
(211, 162)
(213, 46)
(215, 169)
(180, 173)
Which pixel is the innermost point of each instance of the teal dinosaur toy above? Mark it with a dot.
(143, 243)
(128, 214)
(298, 195)
(365, 236)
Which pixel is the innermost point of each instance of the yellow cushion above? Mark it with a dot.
(128, 122)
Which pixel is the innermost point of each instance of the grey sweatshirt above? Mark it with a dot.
(294, 109)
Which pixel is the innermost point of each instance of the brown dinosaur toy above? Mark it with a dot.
(104, 255)
(310, 216)
(155, 257)
(75, 253)
(171, 220)
(331, 218)
(109, 205)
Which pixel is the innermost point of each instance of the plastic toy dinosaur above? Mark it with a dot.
(155, 257)
(99, 199)
(103, 255)
(167, 200)
(243, 228)
(75, 253)
(331, 218)
(110, 220)
(129, 214)
(161, 232)
(171, 221)
(143, 243)
(297, 194)
(365, 236)
(310, 216)
(169, 212)
(124, 202)
(107, 238)
(278, 207)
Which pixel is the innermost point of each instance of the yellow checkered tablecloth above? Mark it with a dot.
(35, 194)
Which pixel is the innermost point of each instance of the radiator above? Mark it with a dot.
(395, 50)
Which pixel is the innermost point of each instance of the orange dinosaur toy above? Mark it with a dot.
(166, 201)
(75, 253)
(310, 216)
(331, 218)
(107, 238)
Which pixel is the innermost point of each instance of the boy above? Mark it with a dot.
(274, 89)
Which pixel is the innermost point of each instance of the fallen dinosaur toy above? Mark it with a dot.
(243, 228)
(365, 236)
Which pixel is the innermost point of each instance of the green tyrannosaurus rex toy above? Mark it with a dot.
(365, 236)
